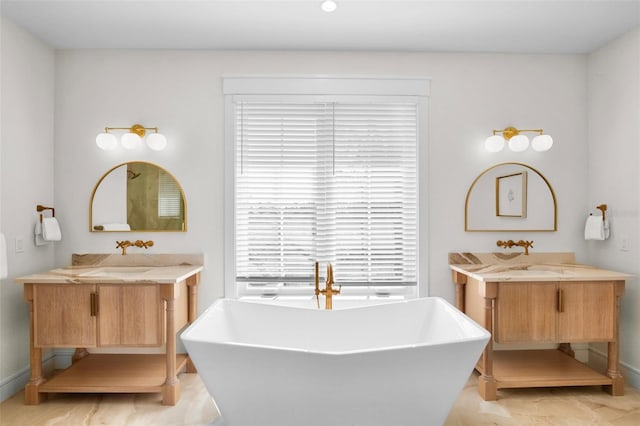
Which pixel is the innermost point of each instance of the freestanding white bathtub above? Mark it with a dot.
(395, 364)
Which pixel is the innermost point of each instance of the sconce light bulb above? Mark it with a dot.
(518, 143)
(156, 141)
(130, 141)
(106, 141)
(328, 6)
(542, 143)
(494, 143)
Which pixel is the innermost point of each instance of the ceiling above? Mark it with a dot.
(506, 26)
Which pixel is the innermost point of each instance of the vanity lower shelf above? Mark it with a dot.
(114, 373)
(542, 368)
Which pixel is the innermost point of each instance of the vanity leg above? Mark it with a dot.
(616, 388)
(32, 395)
(567, 349)
(487, 384)
(171, 387)
(192, 304)
(460, 280)
(79, 354)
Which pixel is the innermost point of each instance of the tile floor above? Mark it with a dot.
(546, 406)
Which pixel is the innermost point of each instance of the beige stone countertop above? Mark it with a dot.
(113, 275)
(538, 272)
(518, 267)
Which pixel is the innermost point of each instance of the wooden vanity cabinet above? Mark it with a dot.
(562, 312)
(545, 311)
(89, 316)
(85, 313)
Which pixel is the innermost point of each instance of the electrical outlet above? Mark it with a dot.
(19, 244)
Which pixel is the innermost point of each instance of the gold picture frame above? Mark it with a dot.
(511, 195)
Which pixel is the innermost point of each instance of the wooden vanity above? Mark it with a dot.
(539, 298)
(112, 301)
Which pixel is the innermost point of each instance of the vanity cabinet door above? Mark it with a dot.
(525, 312)
(63, 315)
(130, 315)
(586, 311)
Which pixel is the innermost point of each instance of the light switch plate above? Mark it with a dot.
(19, 244)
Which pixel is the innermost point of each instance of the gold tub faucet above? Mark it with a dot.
(328, 290)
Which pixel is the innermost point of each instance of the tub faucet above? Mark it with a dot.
(521, 243)
(328, 290)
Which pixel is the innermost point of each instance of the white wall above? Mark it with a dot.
(614, 179)
(27, 84)
(180, 92)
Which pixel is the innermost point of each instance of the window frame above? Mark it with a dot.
(323, 88)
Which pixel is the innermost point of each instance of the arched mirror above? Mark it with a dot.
(137, 196)
(510, 197)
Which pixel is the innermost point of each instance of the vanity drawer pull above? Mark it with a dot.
(560, 300)
(94, 304)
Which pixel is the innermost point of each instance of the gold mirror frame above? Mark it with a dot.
(553, 196)
(97, 185)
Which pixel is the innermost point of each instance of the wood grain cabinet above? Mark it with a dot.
(534, 312)
(89, 316)
(555, 312)
(84, 313)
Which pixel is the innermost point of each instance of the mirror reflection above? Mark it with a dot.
(137, 196)
(510, 197)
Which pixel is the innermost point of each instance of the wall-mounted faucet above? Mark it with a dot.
(328, 290)
(138, 243)
(521, 243)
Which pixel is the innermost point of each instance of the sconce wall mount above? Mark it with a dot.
(132, 138)
(517, 141)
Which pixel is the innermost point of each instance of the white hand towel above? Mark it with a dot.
(596, 228)
(116, 227)
(51, 229)
(3, 257)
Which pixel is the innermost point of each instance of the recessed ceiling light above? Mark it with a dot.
(328, 6)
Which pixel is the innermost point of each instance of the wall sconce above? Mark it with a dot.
(517, 141)
(132, 139)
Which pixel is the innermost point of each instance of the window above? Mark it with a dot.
(169, 196)
(327, 178)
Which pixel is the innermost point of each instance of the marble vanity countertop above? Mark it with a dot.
(113, 275)
(493, 267)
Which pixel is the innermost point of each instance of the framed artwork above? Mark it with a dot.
(511, 195)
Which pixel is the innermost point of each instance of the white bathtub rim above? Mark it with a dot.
(480, 332)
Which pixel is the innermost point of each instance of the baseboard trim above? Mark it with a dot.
(16, 382)
(598, 361)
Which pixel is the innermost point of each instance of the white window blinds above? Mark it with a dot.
(328, 181)
(169, 196)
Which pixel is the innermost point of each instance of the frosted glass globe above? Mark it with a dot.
(130, 140)
(156, 141)
(494, 143)
(106, 141)
(542, 143)
(328, 6)
(518, 143)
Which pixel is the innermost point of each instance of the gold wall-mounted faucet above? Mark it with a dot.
(138, 243)
(521, 243)
(328, 290)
